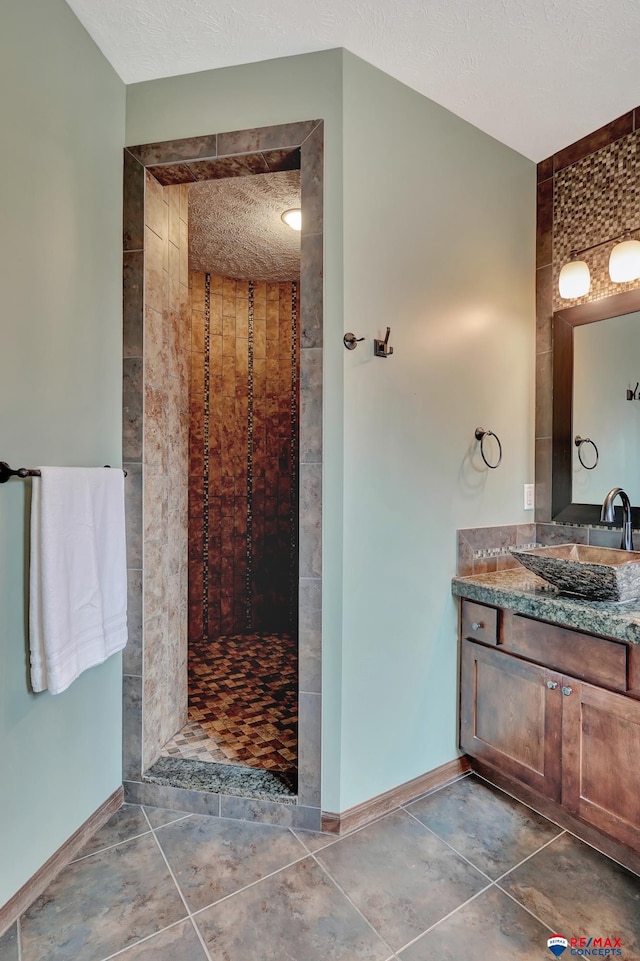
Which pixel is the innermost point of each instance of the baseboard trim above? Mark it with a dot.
(554, 812)
(34, 887)
(361, 814)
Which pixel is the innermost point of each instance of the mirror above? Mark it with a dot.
(596, 360)
(606, 364)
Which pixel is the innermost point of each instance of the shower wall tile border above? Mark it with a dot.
(310, 721)
(310, 635)
(299, 816)
(133, 282)
(133, 211)
(280, 146)
(132, 726)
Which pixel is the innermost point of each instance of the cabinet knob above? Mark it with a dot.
(567, 691)
(552, 685)
(477, 626)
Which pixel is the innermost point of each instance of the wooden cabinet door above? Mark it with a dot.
(601, 753)
(511, 716)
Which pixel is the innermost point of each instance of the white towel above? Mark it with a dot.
(78, 577)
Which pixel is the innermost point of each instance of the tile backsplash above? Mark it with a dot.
(482, 550)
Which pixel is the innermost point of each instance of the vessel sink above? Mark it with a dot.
(595, 573)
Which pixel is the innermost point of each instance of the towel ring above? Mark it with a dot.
(579, 441)
(481, 433)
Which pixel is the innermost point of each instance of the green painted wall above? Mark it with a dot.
(259, 95)
(62, 121)
(439, 231)
(430, 228)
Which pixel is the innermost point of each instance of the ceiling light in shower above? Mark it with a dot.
(293, 218)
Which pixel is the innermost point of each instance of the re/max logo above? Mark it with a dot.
(595, 947)
(595, 943)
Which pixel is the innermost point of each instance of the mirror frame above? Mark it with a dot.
(564, 321)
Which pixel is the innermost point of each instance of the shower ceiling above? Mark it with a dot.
(236, 228)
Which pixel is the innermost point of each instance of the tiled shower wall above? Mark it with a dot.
(156, 432)
(243, 489)
(587, 193)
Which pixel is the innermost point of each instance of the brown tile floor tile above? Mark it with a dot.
(400, 876)
(297, 913)
(128, 822)
(102, 904)
(159, 816)
(491, 829)
(179, 943)
(314, 840)
(9, 950)
(493, 924)
(211, 858)
(579, 892)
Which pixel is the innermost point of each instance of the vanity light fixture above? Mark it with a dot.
(624, 265)
(624, 262)
(293, 218)
(574, 279)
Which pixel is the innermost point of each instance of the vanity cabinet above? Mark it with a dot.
(511, 718)
(555, 710)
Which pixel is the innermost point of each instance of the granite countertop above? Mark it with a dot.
(518, 590)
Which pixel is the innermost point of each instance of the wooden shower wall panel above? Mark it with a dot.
(243, 457)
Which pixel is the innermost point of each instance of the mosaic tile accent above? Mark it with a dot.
(594, 199)
(249, 575)
(502, 551)
(294, 407)
(206, 453)
(242, 703)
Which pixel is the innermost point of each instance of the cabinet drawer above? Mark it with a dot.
(479, 623)
(594, 659)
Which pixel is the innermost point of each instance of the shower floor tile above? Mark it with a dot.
(243, 703)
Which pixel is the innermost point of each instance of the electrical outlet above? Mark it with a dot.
(529, 497)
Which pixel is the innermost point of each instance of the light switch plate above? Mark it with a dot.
(529, 497)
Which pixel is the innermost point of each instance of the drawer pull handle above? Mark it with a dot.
(477, 626)
(552, 685)
(567, 691)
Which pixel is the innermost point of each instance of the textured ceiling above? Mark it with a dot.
(535, 74)
(236, 228)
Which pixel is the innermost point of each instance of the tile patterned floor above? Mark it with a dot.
(465, 872)
(243, 703)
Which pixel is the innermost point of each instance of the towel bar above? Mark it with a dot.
(6, 472)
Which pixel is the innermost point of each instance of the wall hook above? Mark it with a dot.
(381, 347)
(350, 340)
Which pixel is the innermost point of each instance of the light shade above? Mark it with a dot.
(293, 218)
(624, 262)
(574, 280)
